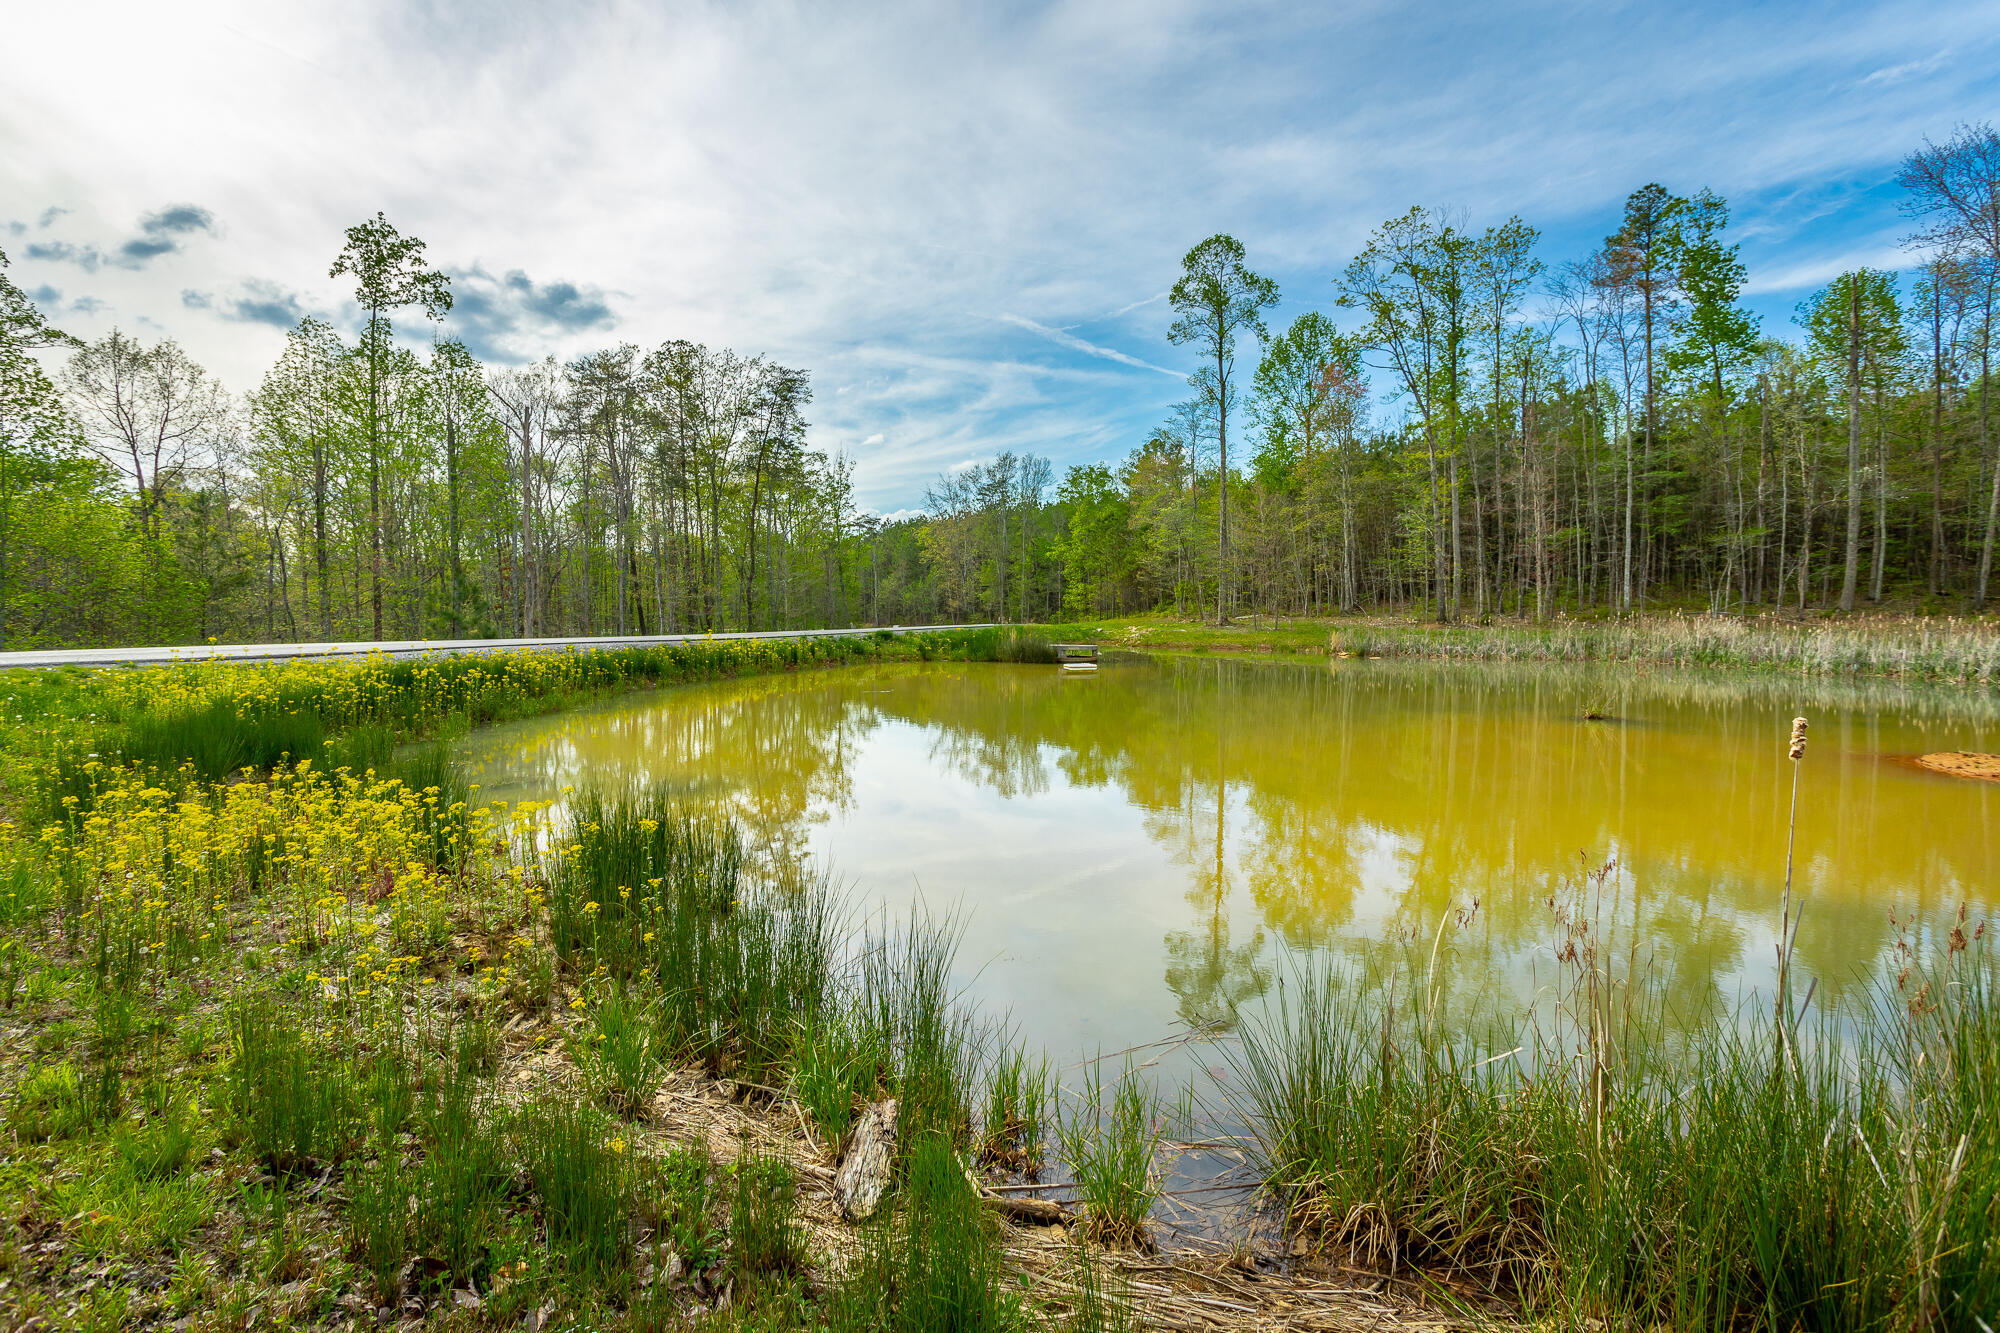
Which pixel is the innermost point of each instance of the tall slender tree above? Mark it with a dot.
(1217, 300)
(389, 274)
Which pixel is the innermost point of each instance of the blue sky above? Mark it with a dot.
(962, 220)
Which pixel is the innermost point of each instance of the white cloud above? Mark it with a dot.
(850, 188)
(1070, 340)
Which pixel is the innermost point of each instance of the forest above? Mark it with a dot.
(1477, 430)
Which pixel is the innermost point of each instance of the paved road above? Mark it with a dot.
(276, 652)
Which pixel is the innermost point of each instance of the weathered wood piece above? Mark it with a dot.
(1041, 1212)
(864, 1171)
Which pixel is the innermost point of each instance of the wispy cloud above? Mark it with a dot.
(852, 191)
(1076, 344)
(1908, 69)
(1807, 275)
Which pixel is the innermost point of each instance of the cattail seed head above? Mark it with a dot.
(1798, 739)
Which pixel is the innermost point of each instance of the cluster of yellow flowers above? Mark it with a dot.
(331, 865)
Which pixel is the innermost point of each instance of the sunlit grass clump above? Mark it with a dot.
(1626, 1171)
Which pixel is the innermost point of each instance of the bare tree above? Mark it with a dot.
(151, 413)
(527, 399)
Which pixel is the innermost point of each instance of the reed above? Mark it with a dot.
(1109, 1142)
(1675, 1182)
(1942, 649)
(646, 890)
(936, 1265)
(927, 1041)
(1014, 1124)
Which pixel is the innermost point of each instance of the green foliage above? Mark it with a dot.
(763, 1237)
(222, 738)
(465, 1175)
(580, 1167)
(1109, 1146)
(925, 1038)
(161, 1148)
(297, 1108)
(378, 1221)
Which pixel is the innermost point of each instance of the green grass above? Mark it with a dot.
(1942, 649)
(837, 1061)
(936, 1264)
(580, 1166)
(764, 1238)
(296, 1106)
(1108, 1141)
(1633, 1176)
(443, 822)
(223, 737)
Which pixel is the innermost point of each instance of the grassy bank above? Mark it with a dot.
(1722, 1181)
(208, 721)
(1935, 649)
(322, 1043)
(299, 1041)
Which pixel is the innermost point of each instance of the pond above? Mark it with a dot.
(1132, 853)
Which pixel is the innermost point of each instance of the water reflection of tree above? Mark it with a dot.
(1432, 786)
(1208, 975)
(1371, 799)
(777, 752)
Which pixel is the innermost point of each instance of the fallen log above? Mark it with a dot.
(1040, 1212)
(864, 1170)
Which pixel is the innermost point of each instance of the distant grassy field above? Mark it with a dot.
(1945, 649)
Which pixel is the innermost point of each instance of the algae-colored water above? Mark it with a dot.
(1131, 852)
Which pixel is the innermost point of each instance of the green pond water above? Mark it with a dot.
(1130, 854)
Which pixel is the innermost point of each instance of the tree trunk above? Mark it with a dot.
(1852, 570)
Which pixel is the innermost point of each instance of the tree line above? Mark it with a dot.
(1606, 434)
(1477, 431)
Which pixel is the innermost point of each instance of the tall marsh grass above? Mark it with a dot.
(653, 893)
(1924, 649)
(1699, 1181)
